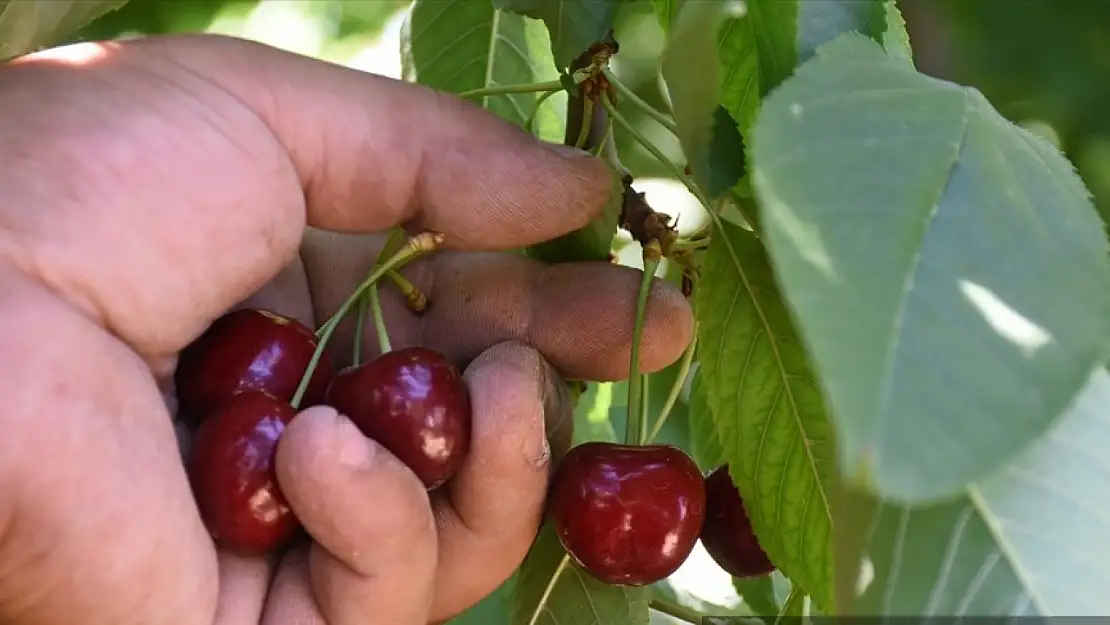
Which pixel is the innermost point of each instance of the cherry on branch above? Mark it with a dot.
(727, 535)
(628, 514)
(414, 403)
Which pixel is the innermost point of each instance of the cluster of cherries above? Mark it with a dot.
(236, 384)
(630, 515)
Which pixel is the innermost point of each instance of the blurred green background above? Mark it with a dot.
(1045, 64)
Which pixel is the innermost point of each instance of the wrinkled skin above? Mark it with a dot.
(150, 186)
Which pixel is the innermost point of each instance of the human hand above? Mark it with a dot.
(150, 186)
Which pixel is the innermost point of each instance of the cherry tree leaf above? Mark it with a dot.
(28, 25)
(493, 609)
(759, 594)
(1029, 540)
(574, 25)
(760, 49)
(689, 67)
(726, 154)
(460, 45)
(947, 269)
(768, 409)
(552, 590)
(705, 444)
(665, 12)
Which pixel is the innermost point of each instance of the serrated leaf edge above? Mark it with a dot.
(779, 366)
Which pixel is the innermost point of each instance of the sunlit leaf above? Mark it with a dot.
(1030, 539)
(947, 268)
(461, 45)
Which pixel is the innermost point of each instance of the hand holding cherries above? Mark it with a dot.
(245, 378)
(629, 514)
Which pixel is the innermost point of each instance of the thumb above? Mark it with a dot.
(374, 557)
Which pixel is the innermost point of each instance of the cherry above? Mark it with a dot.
(232, 473)
(727, 535)
(414, 403)
(629, 515)
(249, 349)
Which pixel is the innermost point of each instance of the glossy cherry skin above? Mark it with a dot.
(727, 534)
(629, 515)
(413, 402)
(231, 468)
(249, 349)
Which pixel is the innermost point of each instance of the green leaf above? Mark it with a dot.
(593, 417)
(591, 242)
(758, 51)
(759, 594)
(761, 49)
(768, 409)
(29, 25)
(574, 25)
(821, 22)
(726, 154)
(665, 12)
(739, 59)
(563, 594)
(947, 268)
(459, 45)
(1029, 540)
(705, 445)
(689, 67)
(896, 40)
(491, 610)
(793, 607)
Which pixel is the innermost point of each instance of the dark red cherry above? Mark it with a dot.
(413, 402)
(231, 468)
(727, 534)
(629, 515)
(249, 349)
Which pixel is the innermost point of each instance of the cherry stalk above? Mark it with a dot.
(414, 247)
(412, 401)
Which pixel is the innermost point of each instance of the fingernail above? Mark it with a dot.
(352, 448)
(558, 415)
(536, 450)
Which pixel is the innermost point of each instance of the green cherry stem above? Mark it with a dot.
(690, 244)
(605, 141)
(587, 123)
(396, 238)
(648, 109)
(679, 612)
(650, 147)
(676, 388)
(634, 424)
(360, 324)
(674, 169)
(530, 124)
(373, 295)
(379, 319)
(416, 246)
(551, 85)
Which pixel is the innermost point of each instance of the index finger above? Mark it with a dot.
(194, 162)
